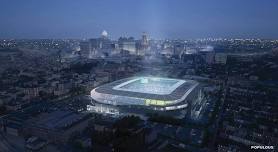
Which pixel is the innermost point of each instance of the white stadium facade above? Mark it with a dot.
(146, 94)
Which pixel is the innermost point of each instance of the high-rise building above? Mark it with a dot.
(95, 43)
(144, 41)
(85, 48)
(93, 46)
(127, 44)
(178, 48)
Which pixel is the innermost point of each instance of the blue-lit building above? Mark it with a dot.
(147, 95)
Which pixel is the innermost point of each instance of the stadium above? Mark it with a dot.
(152, 94)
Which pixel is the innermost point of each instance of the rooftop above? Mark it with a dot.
(154, 85)
(149, 88)
(58, 119)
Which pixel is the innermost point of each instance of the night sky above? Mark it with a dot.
(159, 18)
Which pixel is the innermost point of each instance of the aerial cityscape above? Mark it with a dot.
(138, 76)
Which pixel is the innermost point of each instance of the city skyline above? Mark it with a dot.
(160, 19)
(139, 76)
(196, 95)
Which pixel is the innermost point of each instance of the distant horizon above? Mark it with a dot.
(163, 19)
(136, 38)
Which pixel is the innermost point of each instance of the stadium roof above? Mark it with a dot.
(145, 87)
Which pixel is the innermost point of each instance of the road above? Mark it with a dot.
(219, 117)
